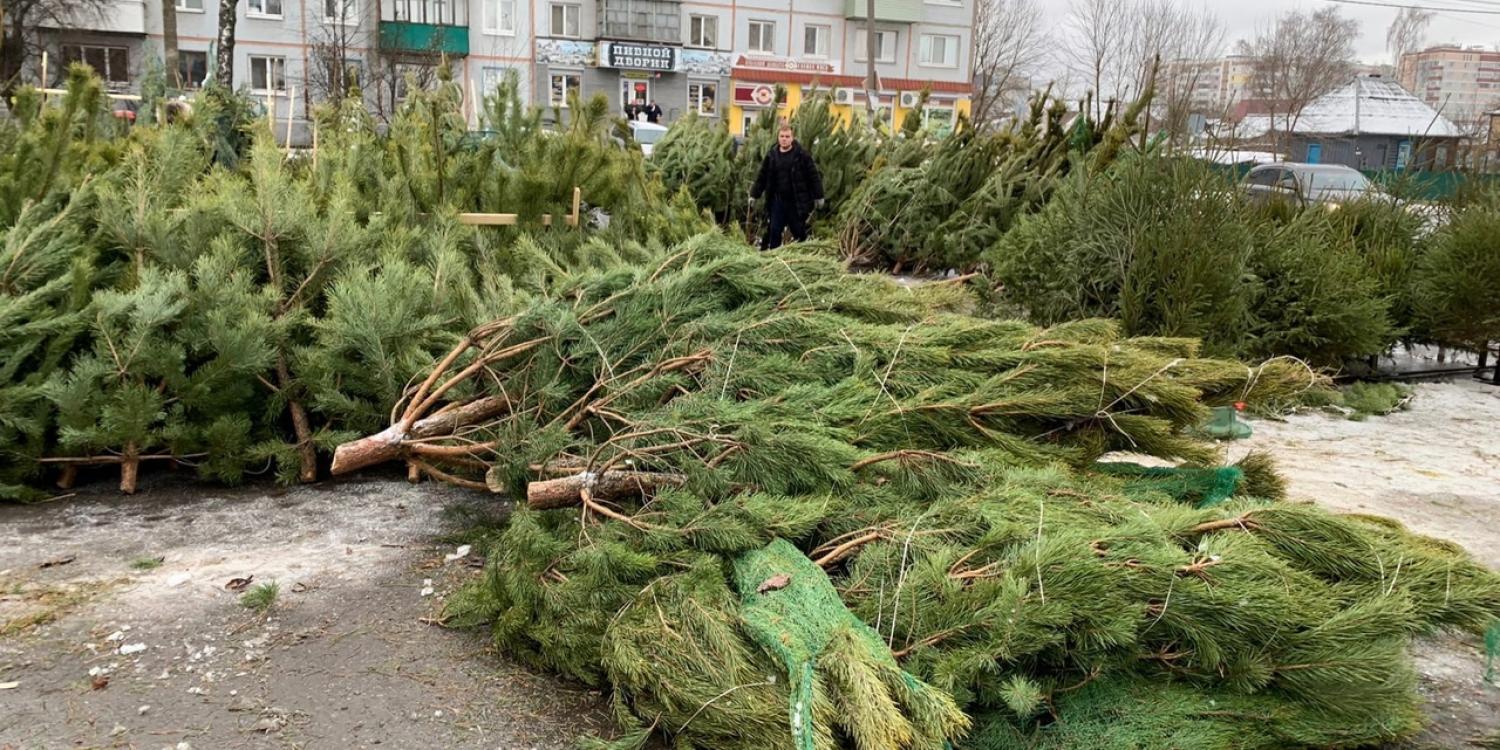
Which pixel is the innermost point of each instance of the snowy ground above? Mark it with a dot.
(1436, 468)
(346, 661)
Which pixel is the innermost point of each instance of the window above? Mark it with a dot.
(268, 8)
(565, 20)
(267, 74)
(815, 40)
(703, 31)
(191, 6)
(938, 120)
(500, 17)
(939, 50)
(341, 11)
(651, 20)
(192, 68)
(111, 63)
(703, 98)
(564, 85)
(885, 46)
(490, 80)
(762, 36)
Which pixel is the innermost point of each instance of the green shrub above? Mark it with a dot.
(1315, 297)
(1163, 245)
(1458, 301)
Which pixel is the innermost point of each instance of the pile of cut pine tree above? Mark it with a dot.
(770, 504)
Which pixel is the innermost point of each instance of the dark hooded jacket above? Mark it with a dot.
(790, 176)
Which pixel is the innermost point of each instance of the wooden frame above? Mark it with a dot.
(506, 220)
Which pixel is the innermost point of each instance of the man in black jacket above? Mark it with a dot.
(793, 188)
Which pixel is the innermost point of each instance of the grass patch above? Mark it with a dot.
(1360, 401)
(24, 607)
(147, 563)
(261, 597)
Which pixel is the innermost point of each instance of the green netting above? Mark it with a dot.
(791, 609)
(1201, 488)
(1491, 651)
(1113, 714)
(1225, 424)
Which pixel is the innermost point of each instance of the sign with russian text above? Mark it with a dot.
(765, 62)
(632, 56)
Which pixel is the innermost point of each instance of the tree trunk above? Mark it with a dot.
(12, 52)
(169, 44)
(301, 427)
(388, 444)
(568, 491)
(130, 467)
(224, 59)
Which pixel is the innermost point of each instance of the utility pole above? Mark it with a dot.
(872, 80)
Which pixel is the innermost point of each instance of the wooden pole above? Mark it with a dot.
(291, 109)
(577, 205)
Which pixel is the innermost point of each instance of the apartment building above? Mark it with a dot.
(730, 59)
(1461, 82)
(739, 58)
(291, 53)
(1212, 87)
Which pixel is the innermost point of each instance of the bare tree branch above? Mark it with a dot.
(20, 22)
(1407, 32)
(1097, 29)
(1301, 57)
(1010, 46)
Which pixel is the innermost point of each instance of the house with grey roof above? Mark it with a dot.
(1370, 123)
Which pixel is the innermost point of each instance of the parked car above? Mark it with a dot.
(646, 134)
(1309, 183)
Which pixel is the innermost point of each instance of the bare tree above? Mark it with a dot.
(20, 24)
(333, 69)
(224, 60)
(1301, 57)
(1010, 45)
(1188, 41)
(1407, 33)
(169, 43)
(1098, 42)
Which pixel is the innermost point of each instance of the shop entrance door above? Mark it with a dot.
(634, 91)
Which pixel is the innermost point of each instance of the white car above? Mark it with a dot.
(646, 134)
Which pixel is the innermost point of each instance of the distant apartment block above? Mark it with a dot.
(1211, 87)
(730, 59)
(1461, 82)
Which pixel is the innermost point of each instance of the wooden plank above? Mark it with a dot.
(488, 220)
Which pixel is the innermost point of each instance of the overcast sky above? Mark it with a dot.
(1242, 17)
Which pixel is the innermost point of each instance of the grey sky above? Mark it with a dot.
(1242, 17)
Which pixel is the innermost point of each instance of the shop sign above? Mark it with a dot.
(790, 65)
(634, 56)
(755, 95)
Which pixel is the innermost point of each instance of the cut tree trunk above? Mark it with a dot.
(568, 491)
(390, 444)
(301, 426)
(130, 467)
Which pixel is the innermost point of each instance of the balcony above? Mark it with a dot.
(116, 16)
(641, 20)
(893, 11)
(425, 27)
